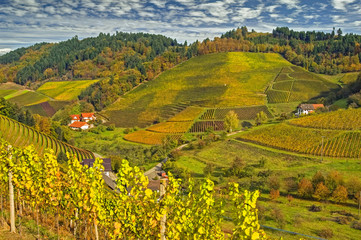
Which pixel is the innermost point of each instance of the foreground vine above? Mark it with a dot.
(77, 195)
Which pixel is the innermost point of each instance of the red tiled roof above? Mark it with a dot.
(87, 115)
(315, 106)
(78, 124)
(75, 117)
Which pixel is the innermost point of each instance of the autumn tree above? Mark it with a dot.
(305, 188)
(321, 192)
(261, 118)
(317, 179)
(340, 194)
(333, 179)
(231, 121)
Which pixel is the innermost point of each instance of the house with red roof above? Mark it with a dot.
(79, 126)
(307, 108)
(74, 118)
(86, 117)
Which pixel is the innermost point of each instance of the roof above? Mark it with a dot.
(87, 115)
(315, 106)
(75, 117)
(154, 185)
(310, 106)
(107, 163)
(78, 124)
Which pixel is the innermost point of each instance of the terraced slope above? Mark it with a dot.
(172, 129)
(214, 80)
(334, 134)
(21, 135)
(294, 84)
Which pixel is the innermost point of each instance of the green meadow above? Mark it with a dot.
(291, 215)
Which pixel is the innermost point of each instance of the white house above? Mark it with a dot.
(307, 108)
(79, 126)
(86, 117)
(74, 118)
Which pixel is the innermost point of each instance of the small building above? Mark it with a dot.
(74, 118)
(86, 117)
(307, 108)
(107, 164)
(79, 126)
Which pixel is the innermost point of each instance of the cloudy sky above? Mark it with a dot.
(25, 22)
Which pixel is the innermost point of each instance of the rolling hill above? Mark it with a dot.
(220, 80)
(214, 80)
(21, 135)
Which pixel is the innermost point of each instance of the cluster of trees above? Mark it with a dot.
(75, 198)
(15, 112)
(331, 186)
(320, 52)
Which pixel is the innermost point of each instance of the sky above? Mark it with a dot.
(26, 22)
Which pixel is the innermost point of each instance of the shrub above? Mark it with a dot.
(305, 188)
(326, 233)
(290, 184)
(315, 208)
(111, 127)
(274, 194)
(278, 217)
(356, 225)
(298, 220)
(246, 124)
(343, 220)
(333, 179)
(274, 182)
(289, 198)
(317, 178)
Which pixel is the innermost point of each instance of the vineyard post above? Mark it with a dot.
(359, 203)
(322, 149)
(162, 187)
(11, 196)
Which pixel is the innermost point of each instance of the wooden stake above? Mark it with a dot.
(11, 197)
(163, 184)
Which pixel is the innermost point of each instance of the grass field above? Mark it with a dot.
(294, 84)
(65, 91)
(296, 215)
(342, 78)
(214, 80)
(21, 135)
